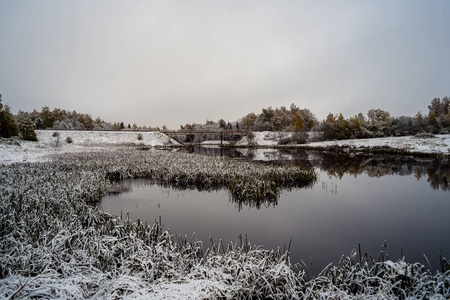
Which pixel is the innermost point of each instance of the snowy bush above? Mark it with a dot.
(359, 276)
(26, 128)
(424, 135)
(250, 135)
(296, 138)
(55, 135)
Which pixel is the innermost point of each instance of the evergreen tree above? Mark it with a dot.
(8, 126)
(342, 128)
(445, 106)
(47, 117)
(26, 127)
(435, 107)
(329, 127)
(222, 123)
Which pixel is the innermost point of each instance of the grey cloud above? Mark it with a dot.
(173, 62)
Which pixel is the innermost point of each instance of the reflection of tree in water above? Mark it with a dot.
(439, 174)
(437, 170)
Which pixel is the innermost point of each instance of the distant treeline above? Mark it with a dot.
(60, 119)
(24, 123)
(377, 122)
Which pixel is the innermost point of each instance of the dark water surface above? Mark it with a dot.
(358, 199)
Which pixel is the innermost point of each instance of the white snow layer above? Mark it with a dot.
(47, 144)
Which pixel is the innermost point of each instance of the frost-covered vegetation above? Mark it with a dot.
(56, 244)
(61, 119)
(305, 127)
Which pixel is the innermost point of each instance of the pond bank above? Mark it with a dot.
(15, 150)
(438, 145)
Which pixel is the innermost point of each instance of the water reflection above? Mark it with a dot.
(324, 222)
(435, 170)
(364, 199)
(239, 203)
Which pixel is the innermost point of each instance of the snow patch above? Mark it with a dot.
(438, 144)
(49, 144)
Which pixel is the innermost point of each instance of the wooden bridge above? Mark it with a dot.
(220, 133)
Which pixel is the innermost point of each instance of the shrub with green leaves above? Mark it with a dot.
(26, 128)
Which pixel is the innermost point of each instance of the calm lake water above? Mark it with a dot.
(358, 199)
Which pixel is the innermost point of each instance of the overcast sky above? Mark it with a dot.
(176, 62)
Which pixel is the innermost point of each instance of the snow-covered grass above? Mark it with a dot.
(55, 245)
(68, 248)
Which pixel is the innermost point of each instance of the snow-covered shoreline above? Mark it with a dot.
(439, 144)
(15, 150)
